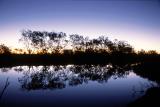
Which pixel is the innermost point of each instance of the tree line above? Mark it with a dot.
(42, 42)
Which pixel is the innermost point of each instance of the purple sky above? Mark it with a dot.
(136, 21)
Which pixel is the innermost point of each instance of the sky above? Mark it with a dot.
(135, 21)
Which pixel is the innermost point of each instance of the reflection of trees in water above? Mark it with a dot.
(143, 87)
(4, 69)
(149, 70)
(57, 77)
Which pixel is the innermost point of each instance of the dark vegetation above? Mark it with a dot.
(151, 98)
(58, 77)
(43, 48)
(51, 48)
(151, 71)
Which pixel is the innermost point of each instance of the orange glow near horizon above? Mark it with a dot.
(136, 38)
(136, 22)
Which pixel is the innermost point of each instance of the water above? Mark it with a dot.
(70, 85)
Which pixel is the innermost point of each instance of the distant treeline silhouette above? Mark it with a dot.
(59, 47)
(52, 42)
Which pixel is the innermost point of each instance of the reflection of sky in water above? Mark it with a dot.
(116, 91)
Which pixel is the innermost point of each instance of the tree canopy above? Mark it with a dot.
(55, 42)
(4, 49)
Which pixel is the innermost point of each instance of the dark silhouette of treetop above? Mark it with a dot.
(55, 42)
(4, 49)
(42, 47)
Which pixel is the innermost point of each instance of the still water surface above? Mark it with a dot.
(70, 85)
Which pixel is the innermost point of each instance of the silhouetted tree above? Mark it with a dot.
(141, 52)
(46, 42)
(152, 52)
(57, 41)
(4, 49)
(26, 34)
(43, 42)
(77, 42)
(124, 47)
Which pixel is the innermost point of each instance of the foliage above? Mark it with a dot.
(4, 49)
(43, 42)
(52, 42)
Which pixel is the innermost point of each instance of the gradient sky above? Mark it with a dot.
(136, 21)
